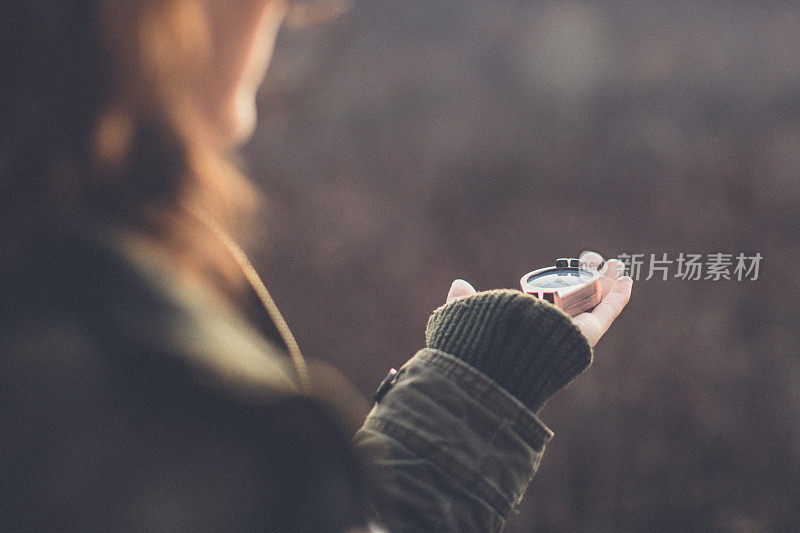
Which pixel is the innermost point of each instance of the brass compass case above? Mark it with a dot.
(567, 285)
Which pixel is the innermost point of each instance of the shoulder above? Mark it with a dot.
(83, 296)
(121, 398)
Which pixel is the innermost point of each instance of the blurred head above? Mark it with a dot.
(123, 113)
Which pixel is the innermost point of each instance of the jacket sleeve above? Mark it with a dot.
(449, 449)
(455, 440)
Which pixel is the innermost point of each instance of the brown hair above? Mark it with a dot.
(95, 130)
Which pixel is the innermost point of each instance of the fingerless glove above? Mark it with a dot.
(527, 346)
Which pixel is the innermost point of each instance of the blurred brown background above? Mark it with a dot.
(408, 143)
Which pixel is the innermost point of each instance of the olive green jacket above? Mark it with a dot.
(130, 401)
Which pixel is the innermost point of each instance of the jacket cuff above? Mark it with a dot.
(464, 426)
(527, 346)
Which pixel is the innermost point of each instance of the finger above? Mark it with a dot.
(591, 260)
(614, 269)
(589, 326)
(611, 271)
(596, 322)
(613, 303)
(460, 289)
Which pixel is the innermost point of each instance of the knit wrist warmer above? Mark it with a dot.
(527, 346)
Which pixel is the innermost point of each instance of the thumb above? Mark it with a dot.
(460, 289)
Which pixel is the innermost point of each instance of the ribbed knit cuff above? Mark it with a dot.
(527, 346)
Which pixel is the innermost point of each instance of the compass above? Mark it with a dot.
(567, 285)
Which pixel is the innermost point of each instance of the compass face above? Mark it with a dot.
(566, 285)
(559, 278)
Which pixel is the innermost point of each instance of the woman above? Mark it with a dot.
(148, 381)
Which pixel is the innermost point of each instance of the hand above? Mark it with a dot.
(593, 324)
